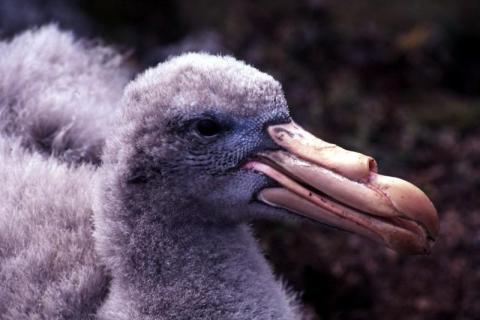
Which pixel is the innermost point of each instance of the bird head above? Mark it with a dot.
(212, 137)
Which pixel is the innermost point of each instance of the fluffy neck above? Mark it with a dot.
(171, 270)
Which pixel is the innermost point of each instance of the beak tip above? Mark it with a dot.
(411, 244)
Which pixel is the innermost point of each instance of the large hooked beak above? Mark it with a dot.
(341, 188)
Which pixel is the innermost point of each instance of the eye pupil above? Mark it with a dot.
(208, 127)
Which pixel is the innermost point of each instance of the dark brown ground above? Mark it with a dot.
(399, 80)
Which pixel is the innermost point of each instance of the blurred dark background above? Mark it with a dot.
(399, 80)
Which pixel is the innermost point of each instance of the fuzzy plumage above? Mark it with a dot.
(48, 268)
(169, 205)
(58, 94)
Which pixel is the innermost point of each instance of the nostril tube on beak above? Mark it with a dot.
(372, 165)
(350, 164)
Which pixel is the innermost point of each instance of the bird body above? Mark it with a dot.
(49, 266)
(138, 208)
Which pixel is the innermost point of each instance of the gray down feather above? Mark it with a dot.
(58, 94)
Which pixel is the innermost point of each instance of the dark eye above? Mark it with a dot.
(207, 127)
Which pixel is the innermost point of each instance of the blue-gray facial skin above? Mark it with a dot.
(206, 159)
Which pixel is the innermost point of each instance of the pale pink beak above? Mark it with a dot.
(341, 188)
